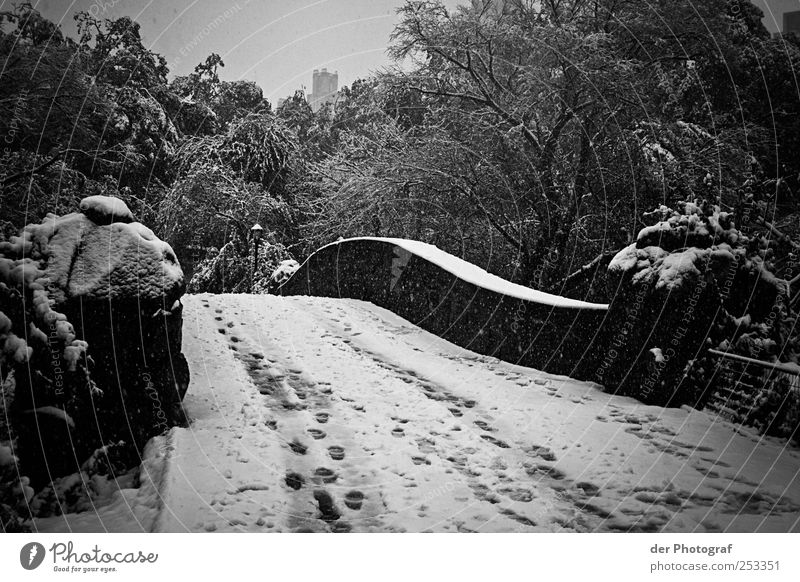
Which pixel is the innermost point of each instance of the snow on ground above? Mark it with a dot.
(121, 508)
(474, 274)
(317, 414)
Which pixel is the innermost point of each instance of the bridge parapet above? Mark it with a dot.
(458, 301)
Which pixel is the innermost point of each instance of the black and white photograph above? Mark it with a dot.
(399, 267)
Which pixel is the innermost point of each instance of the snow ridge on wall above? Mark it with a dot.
(457, 301)
(474, 274)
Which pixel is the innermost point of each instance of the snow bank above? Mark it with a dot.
(130, 503)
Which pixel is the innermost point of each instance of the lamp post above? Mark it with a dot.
(256, 232)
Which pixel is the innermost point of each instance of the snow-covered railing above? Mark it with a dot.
(755, 393)
(456, 300)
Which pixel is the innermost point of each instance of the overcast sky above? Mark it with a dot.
(277, 43)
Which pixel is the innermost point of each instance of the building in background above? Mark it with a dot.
(791, 22)
(324, 89)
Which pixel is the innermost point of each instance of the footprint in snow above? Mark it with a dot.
(354, 500)
(298, 447)
(426, 445)
(542, 452)
(547, 470)
(317, 434)
(589, 489)
(340, 527)
(495, 441)
(518, 518)
(518, 494)
(327, 508)
(325, 475)
(294, 480)
(484, 426)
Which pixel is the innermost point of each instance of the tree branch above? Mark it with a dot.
(31, 171)
(582, 272)
(778, 234)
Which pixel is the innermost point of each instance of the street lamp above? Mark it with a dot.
(256, 231)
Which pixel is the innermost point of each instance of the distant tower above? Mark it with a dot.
(791, 22)
(324, 86)
(497, 7)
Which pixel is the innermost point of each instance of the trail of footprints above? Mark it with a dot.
(288, 392)
(578, 495)
(291, 393)
(657, 507)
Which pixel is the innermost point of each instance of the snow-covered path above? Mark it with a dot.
(314, 414)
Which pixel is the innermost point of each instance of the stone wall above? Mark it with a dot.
(551, 338)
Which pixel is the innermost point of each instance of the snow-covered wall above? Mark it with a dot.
(456, 300)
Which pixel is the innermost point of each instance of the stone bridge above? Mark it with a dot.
(458, 301)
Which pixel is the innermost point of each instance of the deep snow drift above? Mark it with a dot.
(316, 414)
